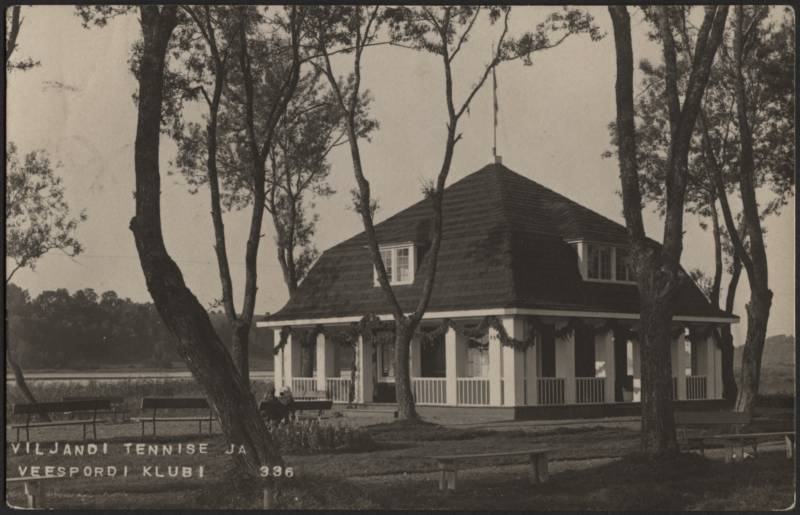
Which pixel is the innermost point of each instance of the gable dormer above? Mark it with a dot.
(603, 262)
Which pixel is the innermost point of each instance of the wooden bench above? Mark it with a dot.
(447, 465)
(34, 489)
(117, 406)
(88, 406)
(716, 422)
(311, 395)
(737, 441)
(175, 403)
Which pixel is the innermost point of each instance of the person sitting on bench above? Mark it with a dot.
(272, 408)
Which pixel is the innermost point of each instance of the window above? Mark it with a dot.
(604, 262)
(599, 262)
(623, 264)
(399, 263)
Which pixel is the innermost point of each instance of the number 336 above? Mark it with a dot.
(276, 471)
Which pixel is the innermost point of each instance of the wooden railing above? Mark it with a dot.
(551, 390)
(590, 390)
(429, 390)
(301, 385)
(696, 387)
(338, 388)
(473, 391)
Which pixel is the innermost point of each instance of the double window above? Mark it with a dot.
(399, 263)
(605, 262)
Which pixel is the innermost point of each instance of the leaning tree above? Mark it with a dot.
(196, 341)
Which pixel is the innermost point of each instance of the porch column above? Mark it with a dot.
(291, 361)
(278, 361)
(531, 372)
(679, 364)
(415, 357)
(513, 365)
(326, 362)
(364, 372)
(604, 343)
(717, 381)
(565, 363)
(637, 369)
(495, 369)
(455, 362)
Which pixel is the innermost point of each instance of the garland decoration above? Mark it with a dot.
(430, 337)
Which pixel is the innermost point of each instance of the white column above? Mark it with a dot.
(326, 362)
(565, 364)
(531, 372)
(604, 346)
(495, 369)
(679, 364)
(451, 366)
(364, 372)
(636, 348)
(278, 361)
(513, 364)
(415, 357)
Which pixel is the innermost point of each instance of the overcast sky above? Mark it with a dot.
(552, 128)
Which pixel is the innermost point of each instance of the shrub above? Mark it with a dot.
(312, 437)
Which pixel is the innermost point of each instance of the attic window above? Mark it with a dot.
(603, 263)
(399, 261)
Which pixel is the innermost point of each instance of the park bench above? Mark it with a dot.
(694, 426)
(311, 395)
(34, 489)
(118, 407)
(175, 403)
(447, 465)
(63, 407)
(736, 442)
(277, 411)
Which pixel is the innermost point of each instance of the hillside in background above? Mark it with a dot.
(777, 364)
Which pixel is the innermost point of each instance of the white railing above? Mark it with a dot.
(696, 387)
(303, 385)
(338, 388)
(590, 390)
(429, 390)
(551, 390)
(473, 391)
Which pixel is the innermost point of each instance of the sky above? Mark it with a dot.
(553, 119)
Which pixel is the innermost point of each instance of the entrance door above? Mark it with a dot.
(584, 352)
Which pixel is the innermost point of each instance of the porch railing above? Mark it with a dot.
(301, 385)
(590, 390)
(429, 390)
(551, 390)
(473, 391)
(338, 388)
(696, 387)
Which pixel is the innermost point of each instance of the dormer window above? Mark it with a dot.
(400, 262)
(603, 263)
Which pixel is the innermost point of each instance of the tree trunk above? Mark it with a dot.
(729, 388)
(406, 405)
(658, 424)
(240, 348)
(19, 377)
(757, 316)
(196, 340)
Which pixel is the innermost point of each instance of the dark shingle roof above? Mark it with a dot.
(504, 246)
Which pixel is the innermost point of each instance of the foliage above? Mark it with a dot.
(37, 215)
(59, 330)
(313, 437)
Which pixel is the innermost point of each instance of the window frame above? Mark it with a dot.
(392, 268)
(584, 264)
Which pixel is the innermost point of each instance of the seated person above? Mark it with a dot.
(273, 408)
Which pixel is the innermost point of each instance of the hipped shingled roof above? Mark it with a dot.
(504, 246)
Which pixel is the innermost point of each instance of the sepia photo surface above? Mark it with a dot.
(400, 257)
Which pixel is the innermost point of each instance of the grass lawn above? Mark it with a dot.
(592, 467)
